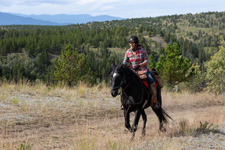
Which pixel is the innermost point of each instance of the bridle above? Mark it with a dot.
(123, 81)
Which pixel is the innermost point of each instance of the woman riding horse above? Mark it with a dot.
(138, 59)
(133, 97)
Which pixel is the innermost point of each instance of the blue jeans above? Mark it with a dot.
(149, 76)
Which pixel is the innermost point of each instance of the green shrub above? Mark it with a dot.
(24, 146)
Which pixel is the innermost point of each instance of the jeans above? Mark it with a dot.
(149, 76)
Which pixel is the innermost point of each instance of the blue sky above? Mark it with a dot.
(118, 8)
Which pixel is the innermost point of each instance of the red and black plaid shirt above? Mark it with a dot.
(141, 56)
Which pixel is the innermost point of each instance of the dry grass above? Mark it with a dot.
(185, 129)
(86, 118)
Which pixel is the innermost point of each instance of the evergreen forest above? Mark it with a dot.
(180, 47)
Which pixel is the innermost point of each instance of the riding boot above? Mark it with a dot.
(154, 102)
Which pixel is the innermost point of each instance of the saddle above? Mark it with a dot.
(155, 75)
(142, 75)
(143, 78)
(157, 79)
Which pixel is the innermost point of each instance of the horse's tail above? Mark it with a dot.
(162, 115)
(165, 115)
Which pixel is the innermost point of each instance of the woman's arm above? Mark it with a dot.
(145, 63)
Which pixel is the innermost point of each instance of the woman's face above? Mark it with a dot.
(132, 45)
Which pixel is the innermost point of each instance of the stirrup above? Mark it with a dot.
(156, 106)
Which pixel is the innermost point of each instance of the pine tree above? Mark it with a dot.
(151, 63)
(173, 67)
(216, 70)
(71, 67)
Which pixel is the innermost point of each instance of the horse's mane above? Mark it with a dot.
(134, 87)
(132, 75)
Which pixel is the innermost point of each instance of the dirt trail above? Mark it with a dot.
(70, 131)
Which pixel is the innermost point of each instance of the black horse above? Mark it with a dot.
(134, 97)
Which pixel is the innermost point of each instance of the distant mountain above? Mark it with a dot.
(9, 19)
(72, 19)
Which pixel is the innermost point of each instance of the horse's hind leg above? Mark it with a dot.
(144, 117)
(161, 127)
(162, 119)
(159, 95)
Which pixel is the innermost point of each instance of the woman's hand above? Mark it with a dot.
(137, 67)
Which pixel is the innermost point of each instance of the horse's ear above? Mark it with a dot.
(121, 65)
(112, 67)
(124, 65)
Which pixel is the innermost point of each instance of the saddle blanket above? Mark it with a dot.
(146, 84)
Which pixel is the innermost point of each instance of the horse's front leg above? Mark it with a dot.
(135, 124)
(144, 117)
(127, 120)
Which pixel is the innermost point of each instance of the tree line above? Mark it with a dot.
(33, 52)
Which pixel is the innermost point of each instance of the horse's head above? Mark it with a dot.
(117, 78)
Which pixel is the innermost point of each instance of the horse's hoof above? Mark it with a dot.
(132, 138)
(130, 129)
(143, 132)
(134, 128)
(162, 129)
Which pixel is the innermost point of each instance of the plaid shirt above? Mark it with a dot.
(140, 57)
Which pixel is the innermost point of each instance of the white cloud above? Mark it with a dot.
(104, 8)
(84, 2)
(119, 8)
(6, 3)
(32, 2)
